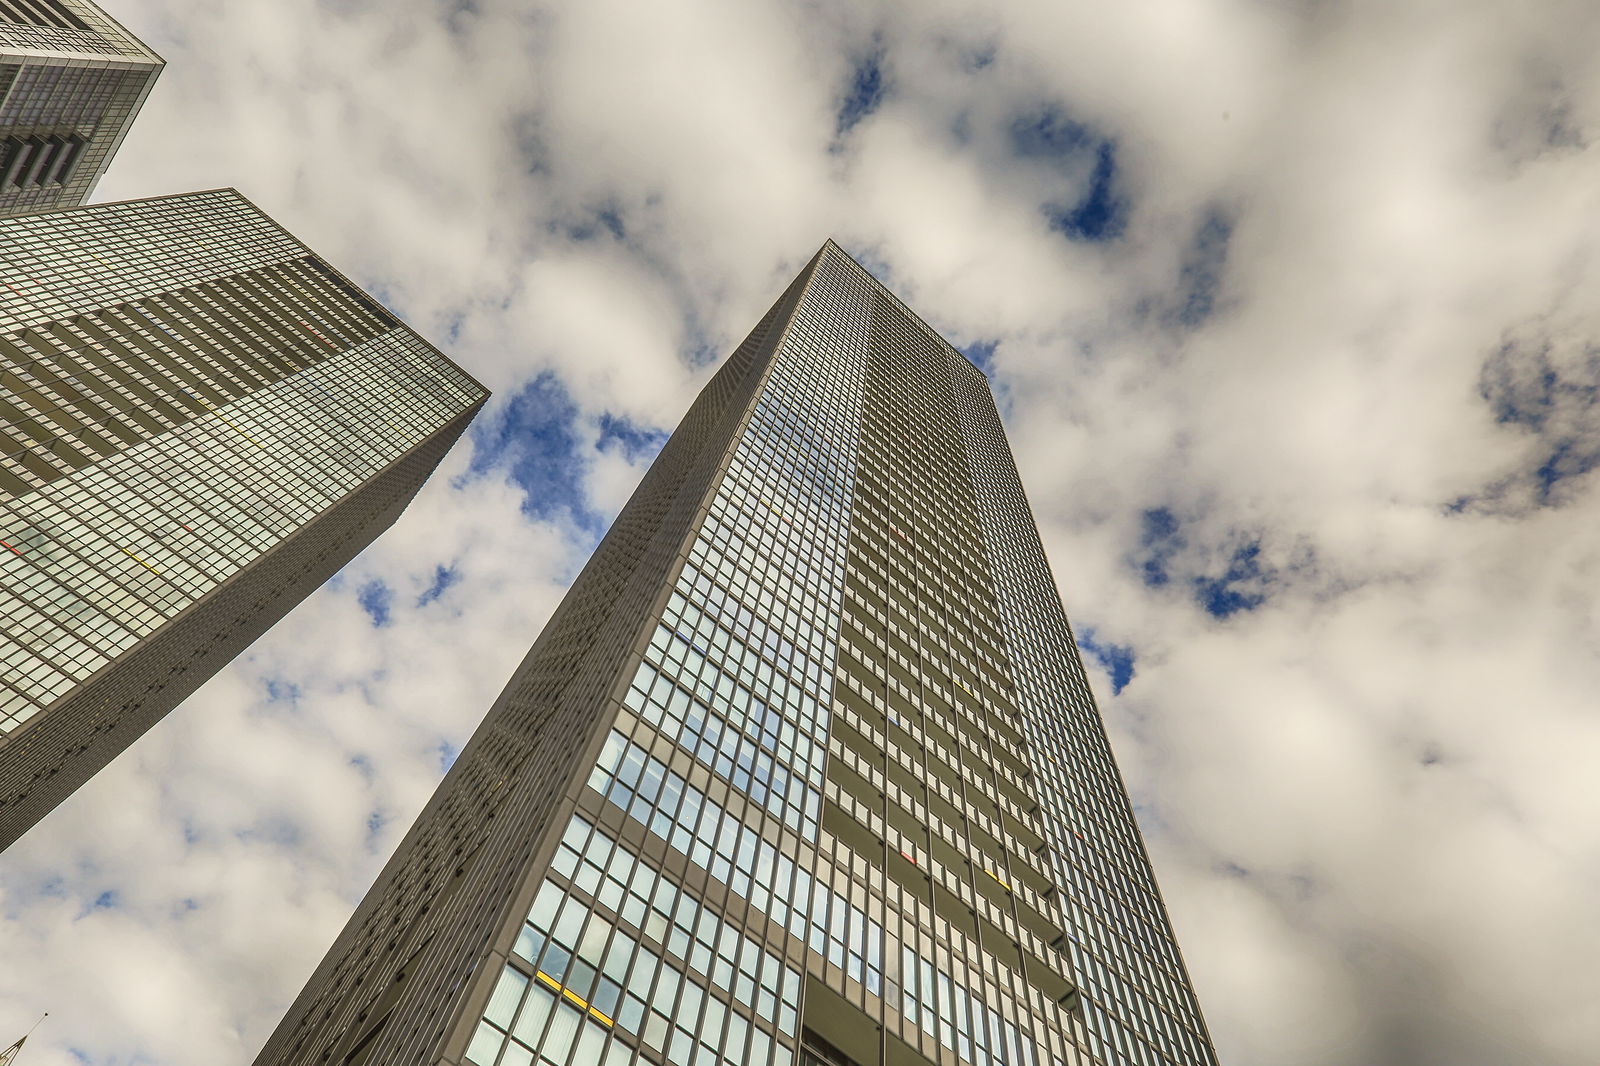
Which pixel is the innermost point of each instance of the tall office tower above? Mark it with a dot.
(201, 422)
(804, 768)
(71, 81)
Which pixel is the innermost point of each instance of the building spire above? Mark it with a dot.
(9, 1055)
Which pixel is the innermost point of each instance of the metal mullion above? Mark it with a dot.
(240, 349)
(267, 512)
(119, 402)
(32, 459)
(8, 612)
(79, 589)
(73, 548)
(342, 295)
(357, 431)
(110, 472)
(105, 354)
(33, 653)
(227, 521)
(172, 363)
(271, 313)
(57, 391)
(202, 347)
(184, 352)
(307, 308)
(231, 300)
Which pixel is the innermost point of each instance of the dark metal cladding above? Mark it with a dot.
(200, 422)
(71, 82)
(803, 769)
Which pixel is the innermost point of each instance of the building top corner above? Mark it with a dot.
(829, 244)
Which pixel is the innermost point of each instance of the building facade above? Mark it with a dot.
(804, 768)
(71, 82)
(201, 421)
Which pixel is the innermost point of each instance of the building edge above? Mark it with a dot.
(221, 624)
(361, 1034)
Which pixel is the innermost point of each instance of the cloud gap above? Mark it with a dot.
(982, 355)
(638, 444)
(1116, 659)
(865, 93)
(1201, 273)
(444, 577)
(534, 436)
(1159, 542)
(377, 599)
(1099, 211)
(1241, 587)
(1544, 382)
(593, 223)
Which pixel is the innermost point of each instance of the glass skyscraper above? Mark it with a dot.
(71, 81)
(804, 769)
(200, 422)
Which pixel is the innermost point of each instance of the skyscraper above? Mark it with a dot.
(71, 81)
(804, 768)
(201, 422)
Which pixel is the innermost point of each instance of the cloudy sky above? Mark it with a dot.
(1292, 309)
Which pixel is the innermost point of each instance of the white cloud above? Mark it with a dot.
(1370, 799)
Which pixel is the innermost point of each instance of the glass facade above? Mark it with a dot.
(610, 943)
(71, 82)
(822, 781)
(187, 394)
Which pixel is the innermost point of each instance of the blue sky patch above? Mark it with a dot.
(976, 59)
(1240, 588)
(1098, 213)
(280, 690)
(1200, 276)
(1570, 458)
(873, 264)
(1159, 541)
(1050, 134)
(381, 293)
(638, 443)
(611, 219)
(1117, 659)
(443, 578)
(1552, 395)
(702, 353)
(452, 331)
(1517, 389)
(1102, 213)
(982, 355)
(865, 92)
(534, 436)
(376, 599)
(275, 830)
(594, 224)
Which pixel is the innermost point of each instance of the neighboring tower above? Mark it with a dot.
(805, 767)
(201, 422)
(71, 81)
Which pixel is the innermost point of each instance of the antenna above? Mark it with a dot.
(9, 1055)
